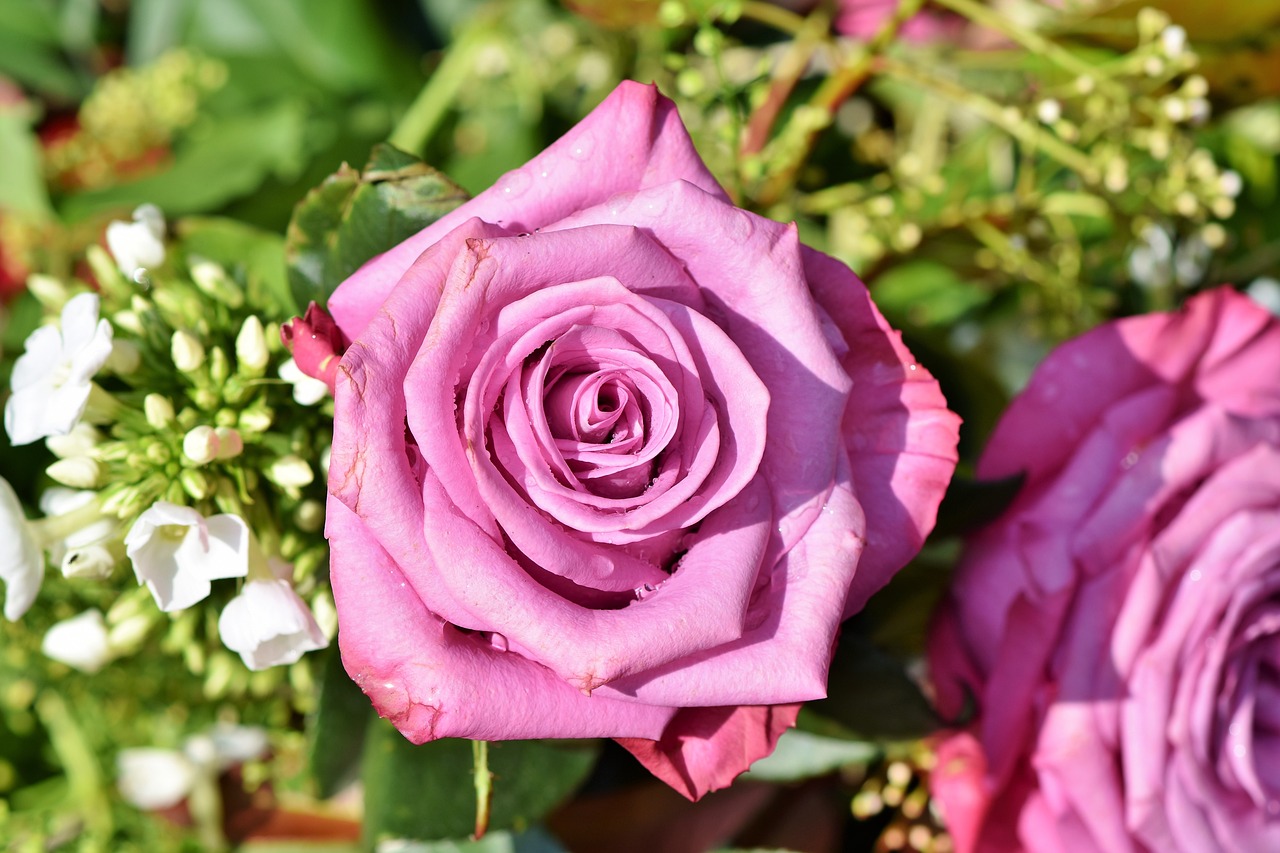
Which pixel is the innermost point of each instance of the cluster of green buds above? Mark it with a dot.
(188, 448)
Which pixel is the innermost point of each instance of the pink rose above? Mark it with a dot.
(864, 18)
(614, 458)
(1119, 625)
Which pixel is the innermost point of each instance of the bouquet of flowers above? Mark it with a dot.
(579, 494)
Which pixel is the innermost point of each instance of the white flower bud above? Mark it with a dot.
(291, 472)
(187, 352)
(139, 244)
(201, 444)
(125, 357)
(81, 441)
(1049, 111)
(1174, 41)
(49, 291)
(230, 444)
(251, 348)
(154, 778)
(159, 411)
(92, 562)
(213, 280)
(79, 642)
(78, 472)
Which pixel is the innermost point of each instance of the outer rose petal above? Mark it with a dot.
(704, 749)
(635, 127)
(396, 650)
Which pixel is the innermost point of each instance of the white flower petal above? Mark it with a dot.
(177, 566)
(21, 563)
(24, 414)
(154, 778)
(79, 642)
(42, 350)
(269, 625)
(138, 244)
(79, 322)
(87, 360)
(234, 744)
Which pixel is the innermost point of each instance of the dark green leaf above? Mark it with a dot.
(870, 694)
(427, 792)
(354, 216)
(802, 755)
(925, 293)
(22, 188)
(971, 504)
(336, 731)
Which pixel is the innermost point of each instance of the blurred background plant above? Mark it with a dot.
(1003, 174)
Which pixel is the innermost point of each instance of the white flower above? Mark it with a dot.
(139, 244)
(176, 552)
(153, 778)
(251, 347)
(79, 642)
(201, 444)
(268, 624)
(21, 563)
(80, 554)
(51, 380)
(307, 390)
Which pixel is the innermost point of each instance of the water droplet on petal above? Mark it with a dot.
(499, 642)
(1195, 575)
(582, 147)
(513, 184)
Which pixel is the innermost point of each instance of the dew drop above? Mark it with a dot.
(514, 184)
(655, 205)
(852, 541)
(1130, 459)
(499, 642)
(1195, 575)
(582, 147)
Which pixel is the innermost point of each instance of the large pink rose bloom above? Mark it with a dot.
(1117, 630)
(613, 457)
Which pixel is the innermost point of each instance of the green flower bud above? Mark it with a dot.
(186, 350)
(309, 516)
(48, 291)
(219, 367)
(125, 357)
(290, 472)
(194, 483)
(126, 637)
(214, 281)
(158, 454)
(159, 411)
(256, 419)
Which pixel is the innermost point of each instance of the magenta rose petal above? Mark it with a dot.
(395, 653)
(700, 608)
(634, 126)
(901, 435)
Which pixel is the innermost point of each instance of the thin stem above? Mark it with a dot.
(775, 16)
(1001, 116)
(421, 120)
(788, 73)
(1035, 43)
(484, 785)
(800, 134)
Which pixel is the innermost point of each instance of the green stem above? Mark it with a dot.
(800, 134)
(84, 774)
(484, 785)
(1035, 43)
(422, 119)
(775, 16)
(1005, 118)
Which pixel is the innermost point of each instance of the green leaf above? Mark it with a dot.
(354, 216)
(336, 731)
(535, 840)
(925, 293)
(426, 792)
(22, 188)
(801, 755)
(222, 161)
(870, 694)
